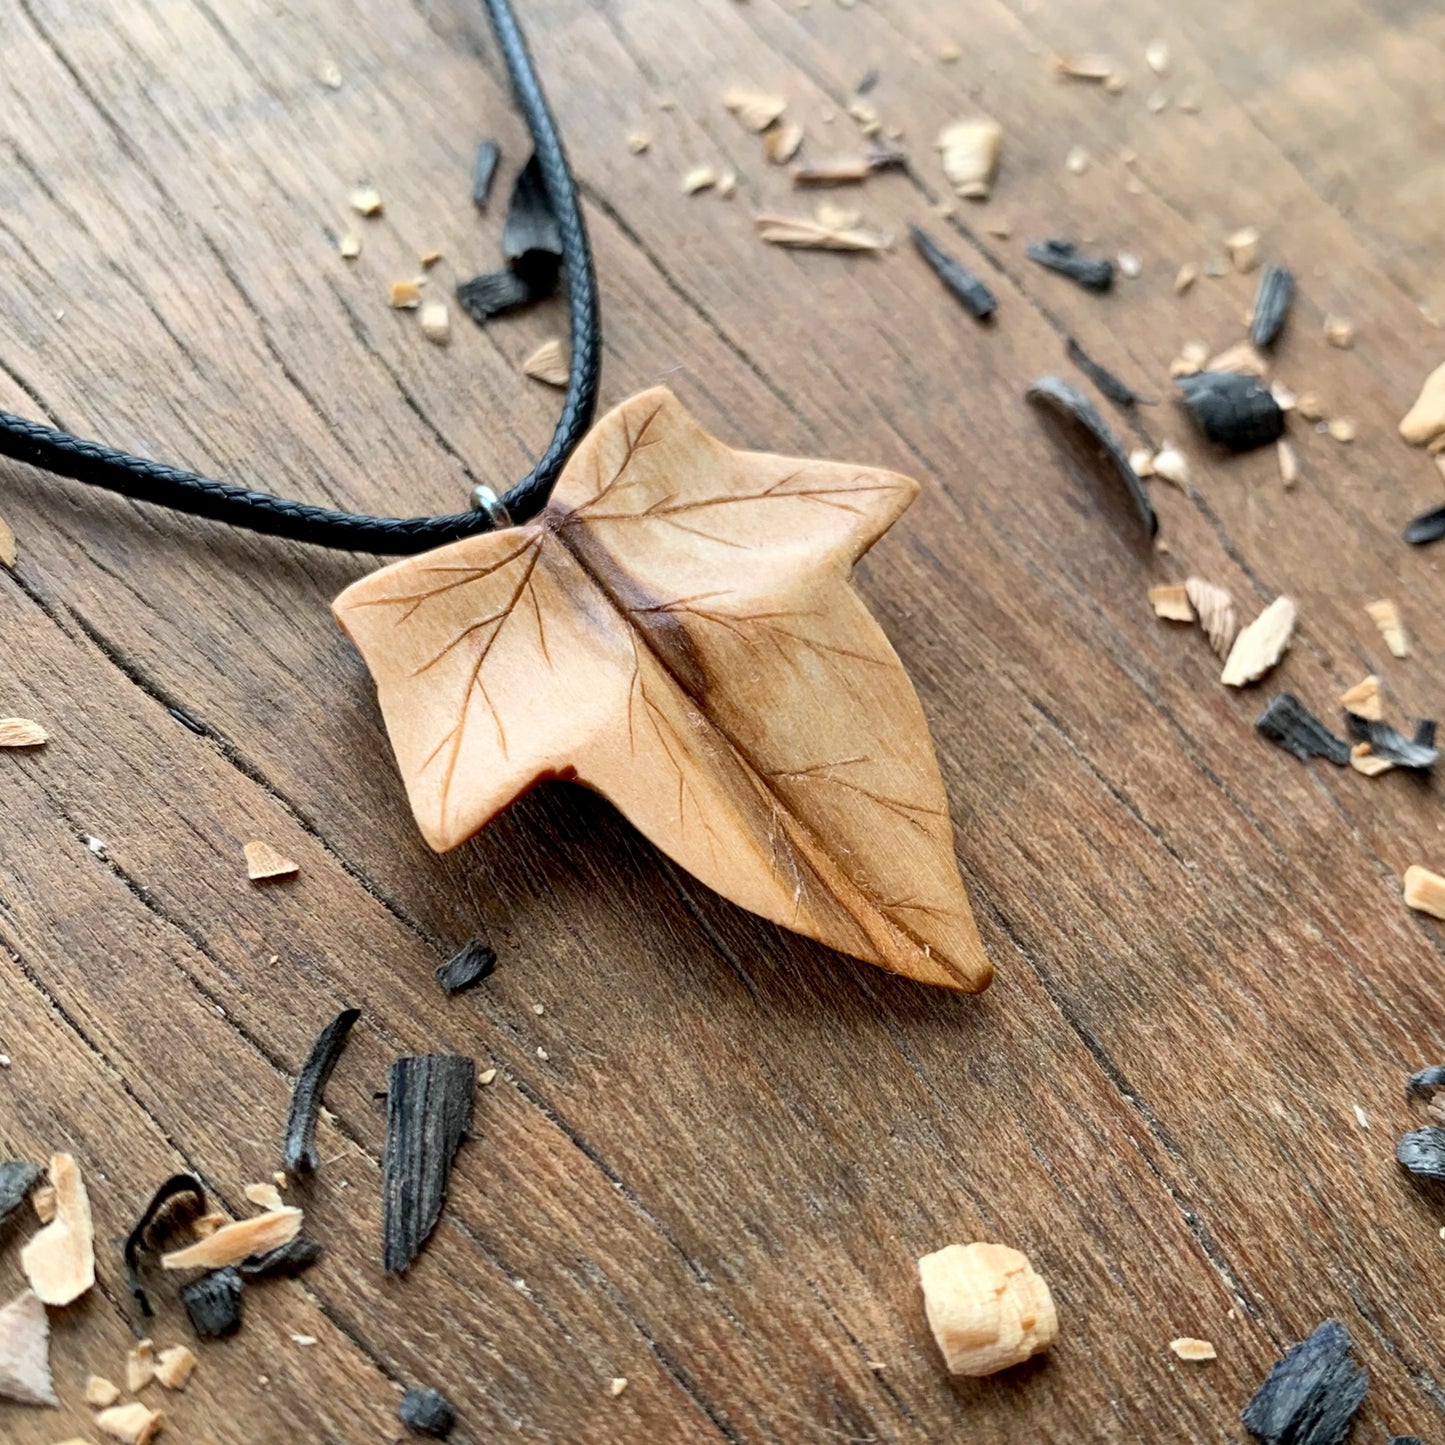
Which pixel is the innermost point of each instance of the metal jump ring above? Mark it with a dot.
(484, 499)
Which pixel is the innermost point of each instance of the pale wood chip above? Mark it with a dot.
(404, 295)
(638, 141)
(840, 171)
(366, 201)
(1243, 245)
(805, 232)
(1288, 461)
(59, 1261)
(1191, 359)
(8, 551)
(1426, 419)
(42, 1201)
(1130, 265)
(1242, 357)
(265, 1195)
(1156, 56)
(1141, 462)
(1083, 67)
(25, 1352)
(1339, 332)
(1193, 1350)
(781, 142)
(1214, 608)
(329, 74)
(232, 1243)
(948, 51)
(699, 178)
(1363, 699)
(969, 150)
(429, 259)
(1077, 161)
(1386, 616)
(1309, 406)
(140, 1367)
(349, 246)
(436, 323)
(756, 110)
(486, 1076)
(20, 732)
(263, 862)
(548, 363)
(1343, 429)
(727, 182)
(987, 1308)
(1284, 398)
(101, 1393)
(1002, 229)
(1260, 645)
(1424, 891)
(1361, 1118)
(616, 1386)
(865, 116)
(208, 1224)
(1171, 602)
(1115, 84)
(1171, 464)
(837, 218)
(1364, 759)
(133, 1424)
(174, 1366)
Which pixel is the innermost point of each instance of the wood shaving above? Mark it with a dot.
(366, 201)
(1363, 699)
(948, 51)
(429, 259)
(1243, 245)
(486, 1076)
(1156, 56)
(987, 1308)
(616, 1386)
(1193, 1350)
(1190, 361)
(330, 75)
(1142, 461)
(140, 1367)
(1284, 398)
(1083, 67)
(1077, 161)
(969, 150)
(1343, 429)
(837, 218)
(1339, 332)
(805, 232)
(21, 732)
(865, 117)
(1288, 461)
(1242, 357)
(267, 1196)
(756, 110)
(727, 183)
(1426, 419)
(1115, 84)
(1260, 645)
(174, 1366)
(1309, 406)
(638, 141)
(1361, 1118)
(208, 1224)
(8, 552)
(1129, 264)
(133, 1424)
(1364, 759)
(840, 172)
(232, 1243)
(263, 862)
(404, 295)
(1424, 891)
(1001, 229)
(780, 144)
(25, 1352)
(548, 363)
(1171, 464)
(699, 178)
(436, 323)
(101, 1393)
(1172, 603)
(349, 246)
(59, 1261)
(1214, 608)
(305, 1341)
(1386, 616)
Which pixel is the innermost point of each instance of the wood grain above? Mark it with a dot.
(717, 1181)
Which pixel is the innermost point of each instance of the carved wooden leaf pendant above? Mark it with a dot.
(677, 631)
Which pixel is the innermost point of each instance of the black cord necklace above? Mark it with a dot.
(149, 481)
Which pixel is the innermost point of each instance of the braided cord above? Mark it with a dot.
(148, 481)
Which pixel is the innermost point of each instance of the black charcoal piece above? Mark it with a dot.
(1391, 744)
(531, 231)
(466, 968)
(1091, 272)
(1406, 1440)
(285, 1260)
(1271, 305)
(1233, 410)
(213, 1303)
(956, 276)
(1422, 1152)
(1427, 527)
(1101, 376)
(427, 1412)
(885, 155)
(492, 294)
(17, 1179)
(1288, 722)
(179, 1200)
(484, 169)
(870, 79)
(1424, 1084)
(300, 1149)
(1069, 402)
(428, 1110)
(1311, 1395)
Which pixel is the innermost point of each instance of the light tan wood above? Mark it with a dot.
(59, 1261)
(677, 631)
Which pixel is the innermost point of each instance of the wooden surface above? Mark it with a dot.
(717, 1180)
